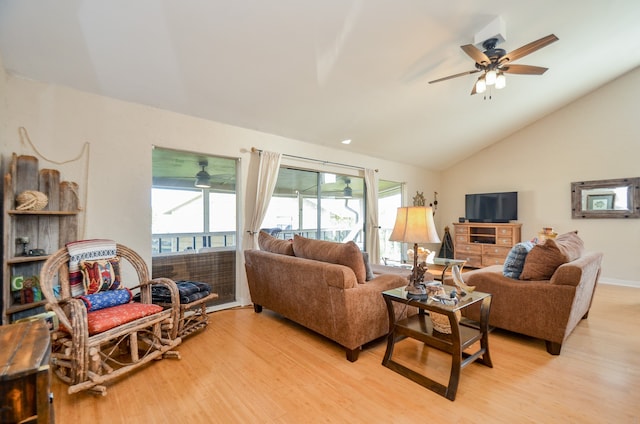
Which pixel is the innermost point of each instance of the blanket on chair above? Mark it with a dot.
(189, 291)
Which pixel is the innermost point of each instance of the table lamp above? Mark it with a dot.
(414, 224)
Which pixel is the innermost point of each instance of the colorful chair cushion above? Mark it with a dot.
(108, 318)
(106, 299)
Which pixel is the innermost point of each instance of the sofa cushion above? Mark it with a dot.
(514, 262)
(347, 254)
(544, 258)
(269, 243)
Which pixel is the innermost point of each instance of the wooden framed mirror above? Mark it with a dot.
(616, 198)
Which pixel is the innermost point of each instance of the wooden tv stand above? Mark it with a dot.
(483, 244)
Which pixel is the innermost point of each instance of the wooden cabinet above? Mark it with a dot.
(483, 244)
(30, 236)
(25, 379)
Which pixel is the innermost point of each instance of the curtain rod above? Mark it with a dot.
(324, 162)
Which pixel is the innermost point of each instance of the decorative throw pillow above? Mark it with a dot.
(514, 262)
(106, 299)
(571, 245)
(543, 260)
(347, 254)
(86, 250)
(367, 266)
(100, 275)
(269, 243)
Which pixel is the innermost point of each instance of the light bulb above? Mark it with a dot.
(491, 77)
(481, 86)
(501, 81)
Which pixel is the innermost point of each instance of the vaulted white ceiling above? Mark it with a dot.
(324, 71)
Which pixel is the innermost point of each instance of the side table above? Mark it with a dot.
(25, 380)
(419, 327)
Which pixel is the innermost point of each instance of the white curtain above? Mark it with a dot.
(373, 227)
(267, 177)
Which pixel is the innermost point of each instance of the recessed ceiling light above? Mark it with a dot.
(346, 141)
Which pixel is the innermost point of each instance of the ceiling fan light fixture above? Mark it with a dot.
(347, 193)
(491, 77)
(501, 81)
(481, 86)
(203, 179)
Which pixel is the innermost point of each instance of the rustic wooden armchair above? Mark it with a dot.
(93, 347)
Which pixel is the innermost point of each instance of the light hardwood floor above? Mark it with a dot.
(261, 368)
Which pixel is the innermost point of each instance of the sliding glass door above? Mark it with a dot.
(330, 206)
(193, 201)
(317, 205)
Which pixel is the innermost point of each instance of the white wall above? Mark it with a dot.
(595, 137)
(120, 135)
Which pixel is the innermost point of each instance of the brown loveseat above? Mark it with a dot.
(548, 298)
(323, 286)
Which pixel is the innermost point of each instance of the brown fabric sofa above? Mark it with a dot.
(556, 295)
(321, 291)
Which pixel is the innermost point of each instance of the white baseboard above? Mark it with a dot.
(617, 282)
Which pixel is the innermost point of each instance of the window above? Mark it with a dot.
(317, 205)
(331, 207)
(389, 200)
(194, 228)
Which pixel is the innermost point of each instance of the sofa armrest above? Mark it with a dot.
(576, 272)
(339, 276)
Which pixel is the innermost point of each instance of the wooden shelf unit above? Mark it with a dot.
(47, 229)
(484, 244)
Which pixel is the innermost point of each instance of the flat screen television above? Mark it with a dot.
(492, 207)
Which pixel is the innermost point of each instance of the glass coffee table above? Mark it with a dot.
(463, 335)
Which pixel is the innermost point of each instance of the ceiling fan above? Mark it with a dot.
(203, 179)
(495, 62)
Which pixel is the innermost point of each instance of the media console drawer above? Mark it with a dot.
(484, 244)
(493, 250)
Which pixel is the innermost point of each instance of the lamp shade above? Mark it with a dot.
(414, 224)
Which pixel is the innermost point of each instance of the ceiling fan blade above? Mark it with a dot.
(524, 69)
(528, 48)
(476, 54)
(455, 76)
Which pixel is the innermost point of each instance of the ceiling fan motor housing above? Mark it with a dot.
(491, 51)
